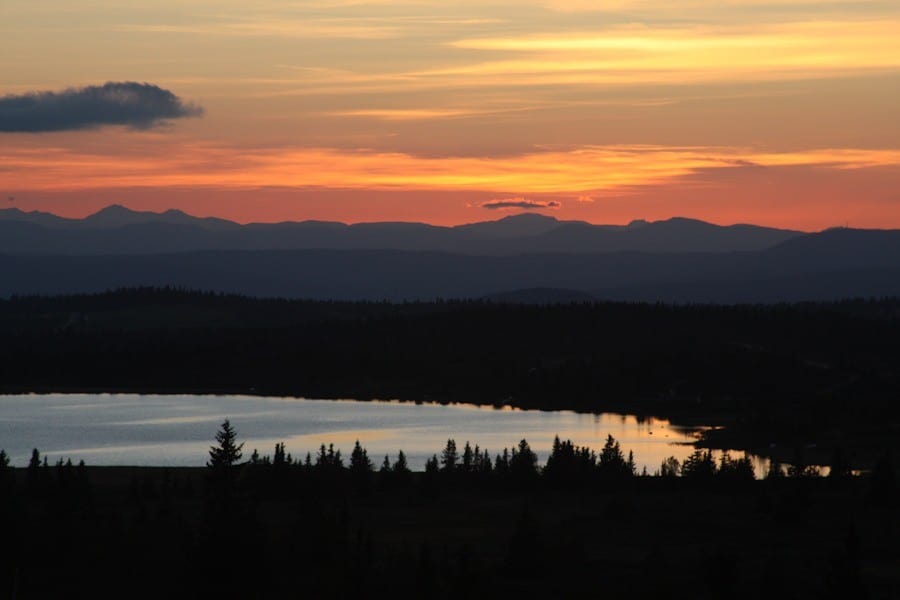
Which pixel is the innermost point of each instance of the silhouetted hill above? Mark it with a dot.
(840, 248)
(826, 266)
(118, 230)
(527, 224)
(35, 217)
(119, 216)
(672, 235)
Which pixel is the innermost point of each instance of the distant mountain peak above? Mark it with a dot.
(113, 209)
(175, 213)
(529, 216)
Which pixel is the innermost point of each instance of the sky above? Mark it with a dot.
(776, 112)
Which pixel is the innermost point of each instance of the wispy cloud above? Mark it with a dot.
(635, 53)
(138, 105)
(584, 171)
(273, 28)
(519, 203)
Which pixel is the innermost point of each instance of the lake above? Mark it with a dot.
(177, 430)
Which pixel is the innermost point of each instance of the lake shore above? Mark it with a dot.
(717, 431)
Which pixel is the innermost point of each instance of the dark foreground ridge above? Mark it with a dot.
(473, 525)
(815, 376)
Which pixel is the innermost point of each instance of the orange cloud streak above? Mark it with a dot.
(574, 172)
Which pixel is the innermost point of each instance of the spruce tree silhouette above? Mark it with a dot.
(523, 464)
(280, 458)
(700, 465)
(449, 457)
(34, 475)
(227, 453)
(222, 460)
(468, 458)
(360, 467)
(400, 466)
(430, 478)
(670, 467)
(612, 464)
(401, 472)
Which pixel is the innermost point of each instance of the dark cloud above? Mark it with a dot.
(734, 162)
(138, 105)
(519, 203)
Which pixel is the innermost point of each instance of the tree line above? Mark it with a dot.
(315, 522)
(785, 373)
(568, 466)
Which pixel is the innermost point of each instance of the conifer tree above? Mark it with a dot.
(359, 460)
(468, 458)
(401, 466)
(523, 463)
(449, 457)
(279, 459)
(227, 453)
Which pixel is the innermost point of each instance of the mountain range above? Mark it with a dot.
(523, 258)
(118, 230)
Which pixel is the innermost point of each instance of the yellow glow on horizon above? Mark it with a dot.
(573, 171)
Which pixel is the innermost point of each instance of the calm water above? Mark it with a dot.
(177, 430)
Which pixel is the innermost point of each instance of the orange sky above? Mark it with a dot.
(779, 112)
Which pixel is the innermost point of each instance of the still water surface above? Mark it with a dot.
(177, 430)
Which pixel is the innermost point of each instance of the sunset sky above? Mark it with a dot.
(778, 112)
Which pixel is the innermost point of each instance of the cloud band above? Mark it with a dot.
(519, 203)
(138, 105)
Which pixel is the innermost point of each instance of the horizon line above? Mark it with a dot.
(513, 213)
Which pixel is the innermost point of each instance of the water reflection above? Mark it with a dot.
(176, 430)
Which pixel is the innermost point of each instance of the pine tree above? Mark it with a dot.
(612, 461)
(523, 464)
(280, 458)
(670, 467)
(35, 462)
(468, 458)
(33, 475)
(401, 466)
(227, 453)
(431, 465)
(699, 465)
(449, 457)
(359, 460)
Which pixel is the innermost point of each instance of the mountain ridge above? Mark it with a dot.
(802, 270)
(119, 230)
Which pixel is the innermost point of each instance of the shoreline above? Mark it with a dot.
(715, 432)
